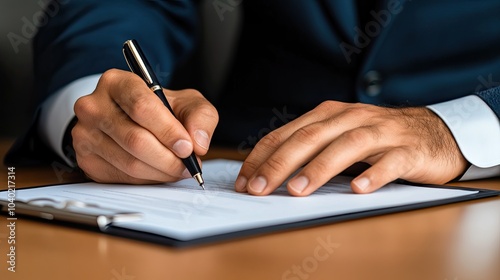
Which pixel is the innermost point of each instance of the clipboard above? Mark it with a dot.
(71, 211)
(117, 221)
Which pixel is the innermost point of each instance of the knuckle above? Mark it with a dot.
(270, 141)
(194, 92)
(320, 168)
(208, 111)
(357, 137)
(308, 135)
(109, 77)
(135, 140)
(390, 119)
(83, 146)
(250, 166)
(107, 124)
(77, 132)
(328, 105)
(199, 106)
(85, 107)
(275, 165)
(355, 111)
(363, 113)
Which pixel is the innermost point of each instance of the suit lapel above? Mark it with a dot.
(343, 16)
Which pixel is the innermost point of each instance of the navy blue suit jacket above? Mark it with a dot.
(292, 54)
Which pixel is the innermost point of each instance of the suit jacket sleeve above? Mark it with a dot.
(492, 98)
(86, 37)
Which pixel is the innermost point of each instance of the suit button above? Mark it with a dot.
(372, 83)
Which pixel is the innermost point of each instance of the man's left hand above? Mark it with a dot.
(407, 143)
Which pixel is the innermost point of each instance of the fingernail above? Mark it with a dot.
(240, 183)
(182, 148)
(362, 183)
(186, 174)
(257, 184)
(298, 184)
(201, 138)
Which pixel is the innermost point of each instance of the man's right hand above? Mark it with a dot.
(125, 134)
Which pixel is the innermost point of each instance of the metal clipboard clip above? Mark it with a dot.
(73, 211)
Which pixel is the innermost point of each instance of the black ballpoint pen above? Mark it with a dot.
(138, 64)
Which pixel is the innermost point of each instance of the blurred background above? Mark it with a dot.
(17, 95)
(16, 71)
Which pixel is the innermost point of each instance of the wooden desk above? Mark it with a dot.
(457, 241)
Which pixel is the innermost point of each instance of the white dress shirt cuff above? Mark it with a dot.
(57, 112)
(476, 129)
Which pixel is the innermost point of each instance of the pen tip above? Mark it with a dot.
(199, 179)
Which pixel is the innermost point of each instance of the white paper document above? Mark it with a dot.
(184, 211)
